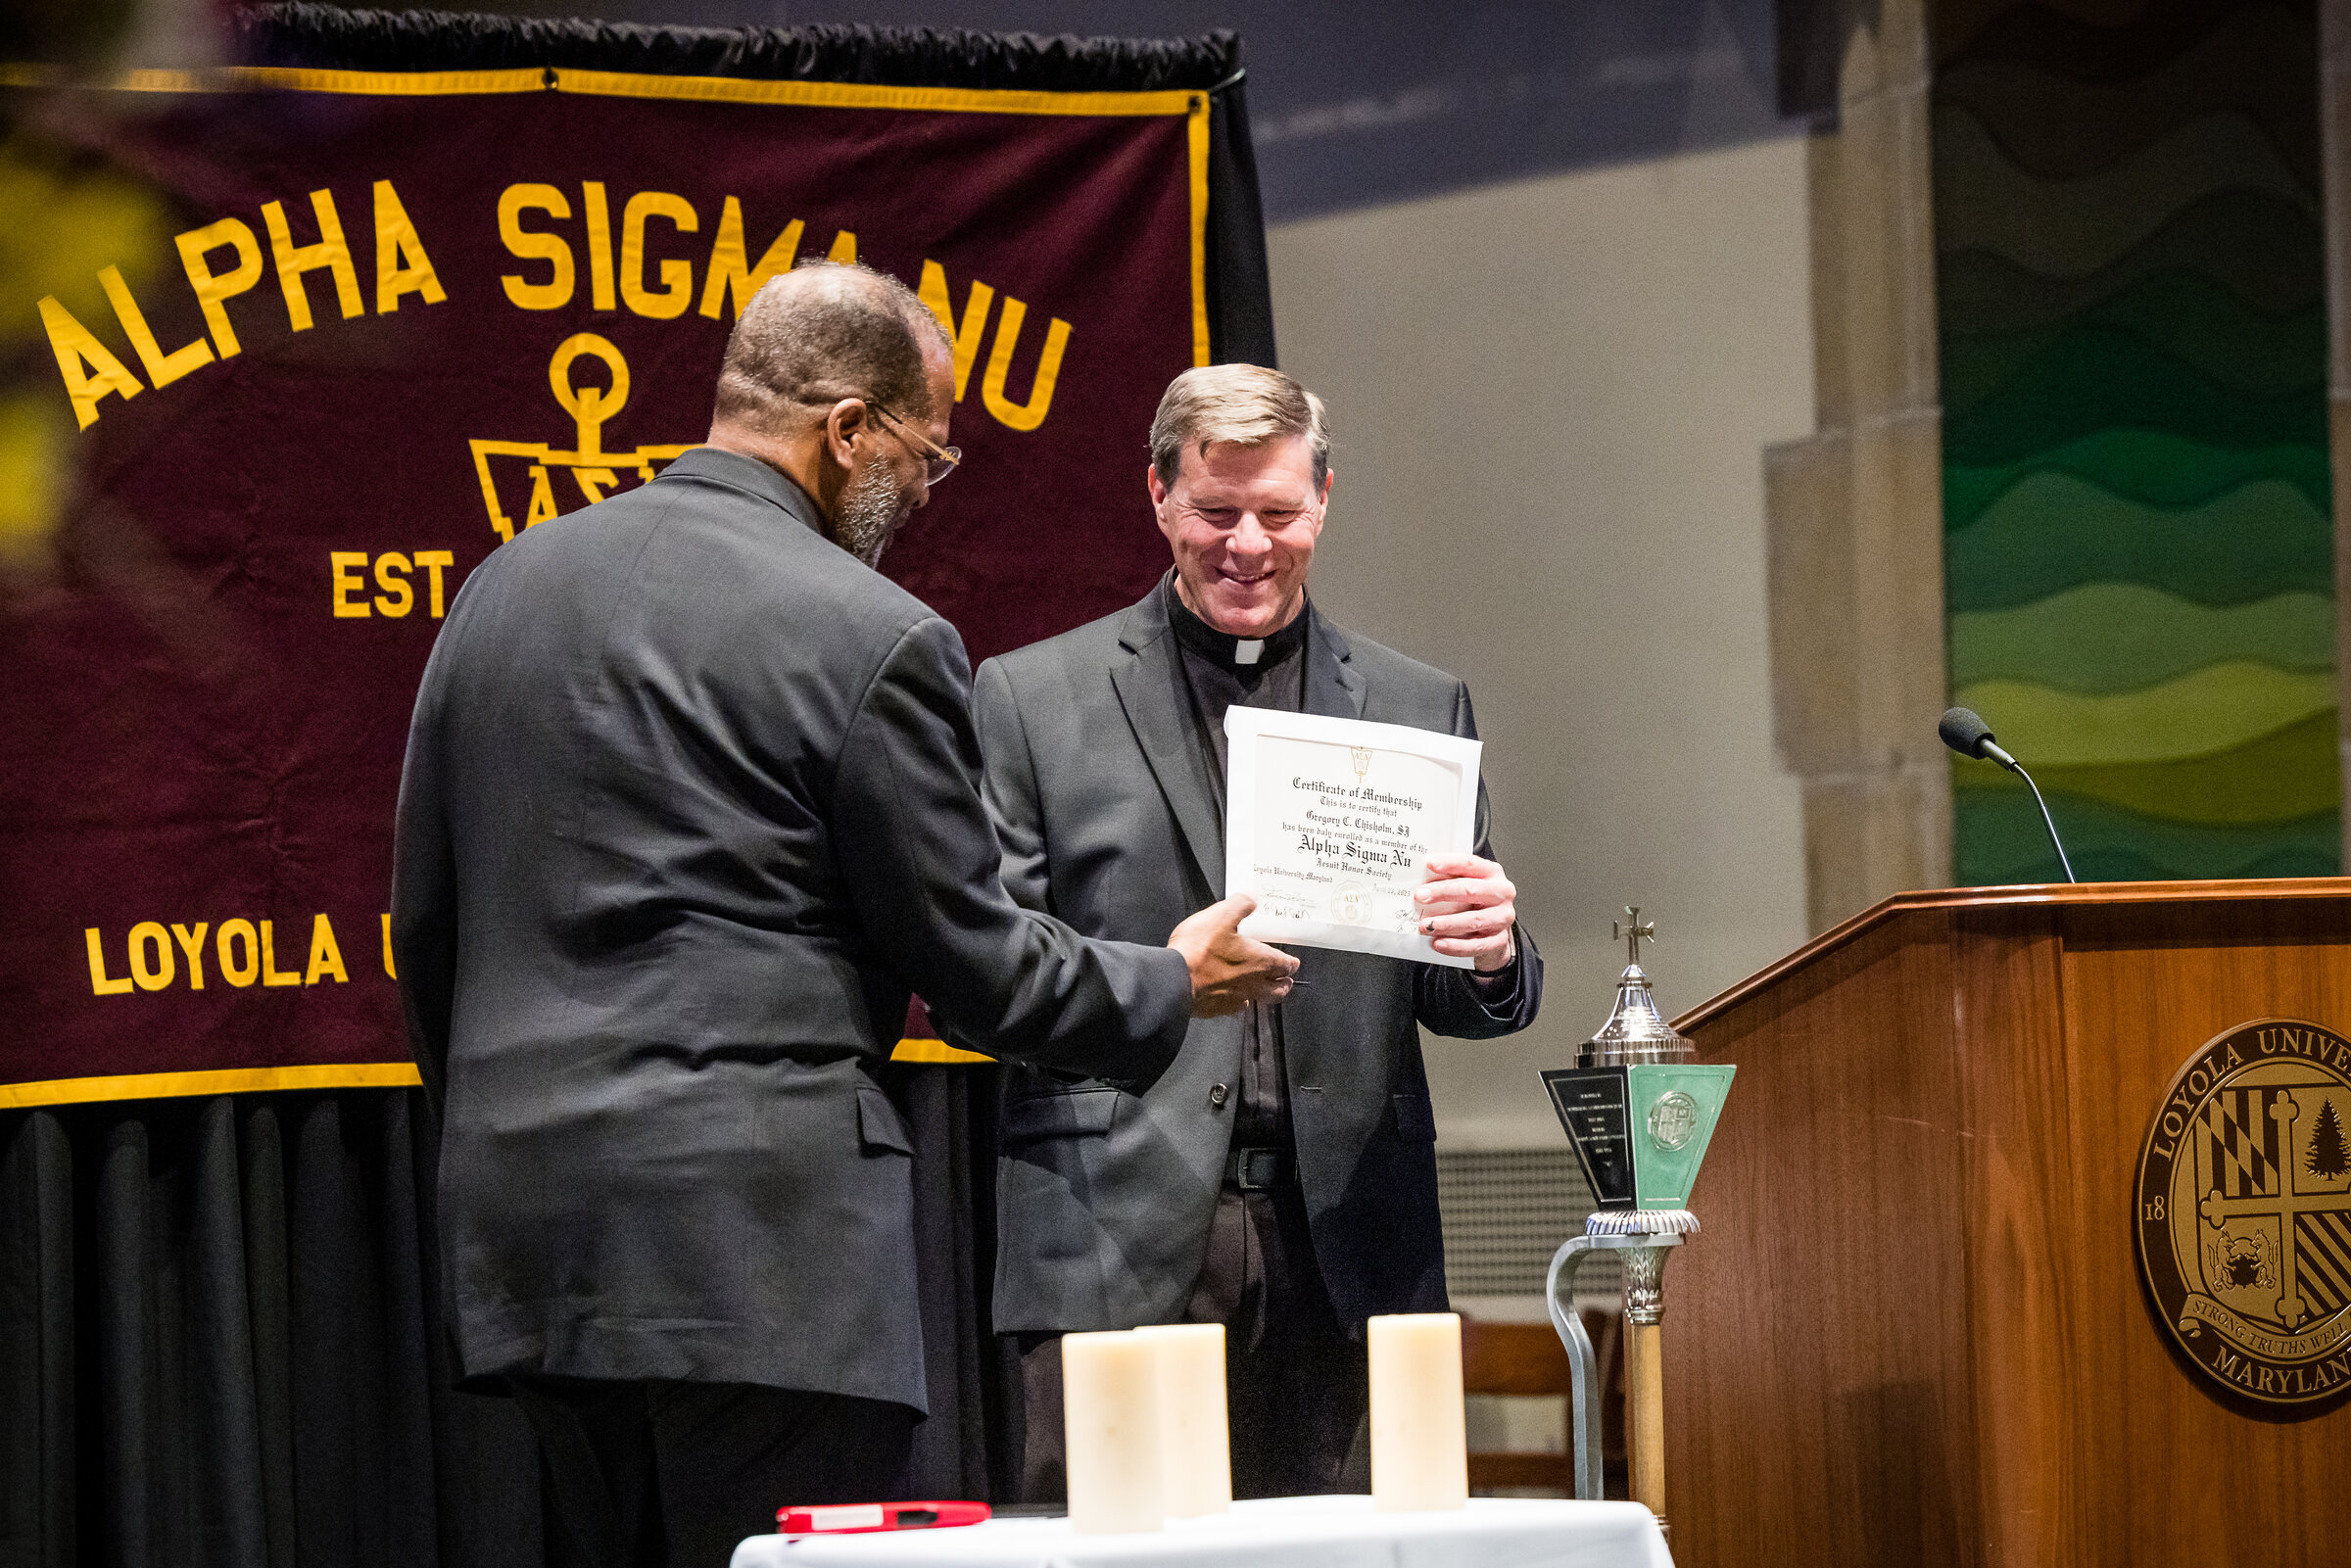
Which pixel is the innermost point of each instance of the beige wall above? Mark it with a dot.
(1551, 401)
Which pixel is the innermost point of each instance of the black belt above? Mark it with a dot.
(1257, 1169)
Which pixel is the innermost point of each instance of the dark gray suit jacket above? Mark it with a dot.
(691, 802)
(1104, 804)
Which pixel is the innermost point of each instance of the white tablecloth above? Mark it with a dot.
(1272, 1533)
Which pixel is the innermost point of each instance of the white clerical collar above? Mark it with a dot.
(1239, 655)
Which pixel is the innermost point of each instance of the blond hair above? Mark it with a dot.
(1246, 405)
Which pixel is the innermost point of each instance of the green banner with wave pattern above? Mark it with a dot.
(2139, 531)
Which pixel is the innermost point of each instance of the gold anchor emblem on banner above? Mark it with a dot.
(597, 473)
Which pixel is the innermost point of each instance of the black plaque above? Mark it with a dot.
(1592, 1107)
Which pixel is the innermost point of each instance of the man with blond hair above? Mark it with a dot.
(1281, 1178)
(689, 805)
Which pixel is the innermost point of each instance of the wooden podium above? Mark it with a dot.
(1913, 1330)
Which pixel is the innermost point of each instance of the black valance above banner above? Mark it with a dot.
(314, 35)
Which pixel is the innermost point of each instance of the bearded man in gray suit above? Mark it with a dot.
(690, 803)
(1281, 1178)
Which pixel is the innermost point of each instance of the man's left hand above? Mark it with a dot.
(1468, 906)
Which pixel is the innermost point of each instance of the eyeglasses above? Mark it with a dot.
(937, 462)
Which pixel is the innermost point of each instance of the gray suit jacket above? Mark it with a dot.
(691, 802)
(1108, 820)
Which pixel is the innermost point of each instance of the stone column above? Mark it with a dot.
(1854, 512)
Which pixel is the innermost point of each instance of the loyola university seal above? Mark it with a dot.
(2244, 1212)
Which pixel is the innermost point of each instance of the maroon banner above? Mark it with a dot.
(324, 343)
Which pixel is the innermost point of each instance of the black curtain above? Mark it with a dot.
(222, 1345)
(221, 1335)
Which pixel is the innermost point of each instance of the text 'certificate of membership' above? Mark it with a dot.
(1330, 823)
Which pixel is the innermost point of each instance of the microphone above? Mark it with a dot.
(1965, 733)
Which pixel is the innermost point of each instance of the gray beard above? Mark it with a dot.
(871, 511)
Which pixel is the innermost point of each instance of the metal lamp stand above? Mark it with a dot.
(1639, 1114)
(1641, 1239)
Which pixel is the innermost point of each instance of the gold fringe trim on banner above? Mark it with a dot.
(232, 1081)
(623, 84)
(936, 1053)
(342, 1075)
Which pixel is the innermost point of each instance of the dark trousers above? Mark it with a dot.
(674, 1475)
(1296, 1387)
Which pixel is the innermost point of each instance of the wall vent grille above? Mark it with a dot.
(1506, 1212)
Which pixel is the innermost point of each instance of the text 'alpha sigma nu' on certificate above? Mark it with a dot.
(1331, 824)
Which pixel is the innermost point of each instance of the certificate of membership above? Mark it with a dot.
(1330, 823)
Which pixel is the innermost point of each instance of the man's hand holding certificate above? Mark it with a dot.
(1471, 910)
(1335, 826)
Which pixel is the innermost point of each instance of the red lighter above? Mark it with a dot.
(853, 1518)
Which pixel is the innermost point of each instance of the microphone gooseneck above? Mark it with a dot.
(1964, 730)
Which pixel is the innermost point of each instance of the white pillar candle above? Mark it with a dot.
(1419, 1446)
(1194, 1439)
(1110, 1416)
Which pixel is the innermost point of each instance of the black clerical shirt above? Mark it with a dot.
(1219, 670)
